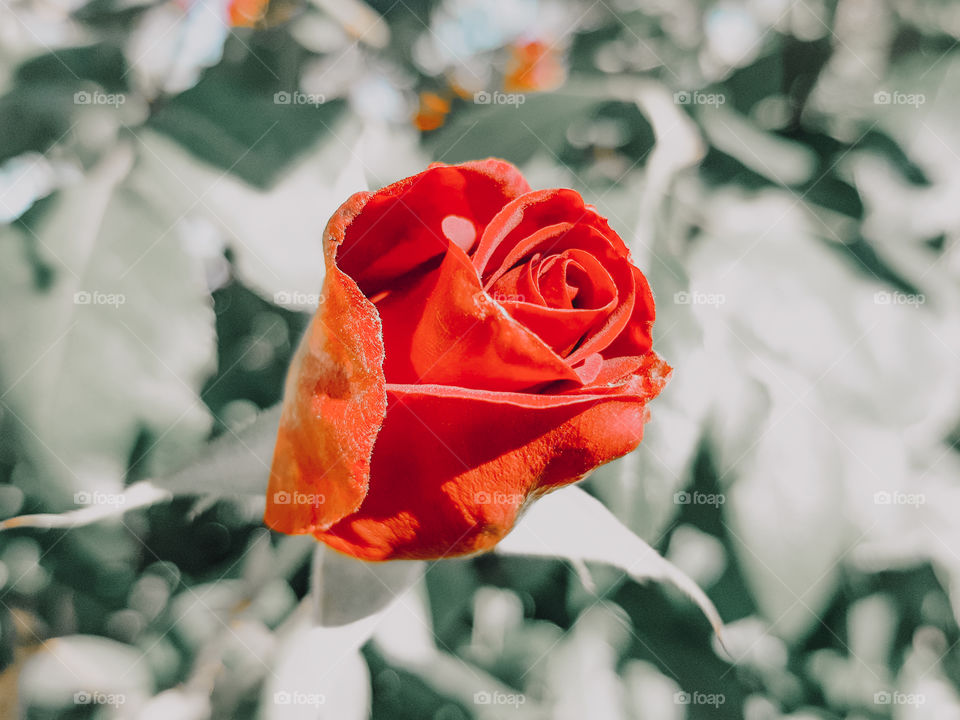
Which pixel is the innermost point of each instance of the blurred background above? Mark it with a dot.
(787, 173)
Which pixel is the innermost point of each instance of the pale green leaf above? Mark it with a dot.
(88, 361)
(571, 524)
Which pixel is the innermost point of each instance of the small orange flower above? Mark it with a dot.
(432, 112)
(534, 67)
(247, 13)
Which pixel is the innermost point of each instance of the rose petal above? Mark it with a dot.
(402, 226)
(445, 329)
(531, 212)
(590, 368)
(560, 329)
(610, 265)
(551, 312)
(460, 495)
(636, 338)
(334, 403)
(577, 279)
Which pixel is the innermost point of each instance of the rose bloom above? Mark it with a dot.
(477, 345)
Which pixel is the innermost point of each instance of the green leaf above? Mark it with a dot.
(571, 524)
(89, 363)
(275, 234)
(512, 131)
(85, 670)
(230, 119)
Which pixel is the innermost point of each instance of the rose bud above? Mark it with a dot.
(477, 345)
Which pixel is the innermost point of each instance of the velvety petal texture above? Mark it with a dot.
(478, 344)
(334, 403)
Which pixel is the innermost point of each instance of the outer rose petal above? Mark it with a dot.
(402, 226)
(444, 329)
(454, 467)
(334, 403)
(637, 337)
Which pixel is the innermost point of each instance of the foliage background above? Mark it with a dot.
(794, 207)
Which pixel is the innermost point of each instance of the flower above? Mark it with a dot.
(534, 67)
(477, 344)
(432, 111)
(246, 13)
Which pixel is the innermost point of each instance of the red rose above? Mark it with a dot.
(478, 344)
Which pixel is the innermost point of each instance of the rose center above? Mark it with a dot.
(574, 280)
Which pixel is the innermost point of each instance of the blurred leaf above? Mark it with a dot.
(88, 360)
(275, 234)
(232, 120)
(179, 704)
(100, 63)
(138, 495)
(794, 464)
(346, 589)
(172, 44)
(779, 160)
(569, 523)
(235, 463)
(514, 132)
(319, 672)
(85, 670)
